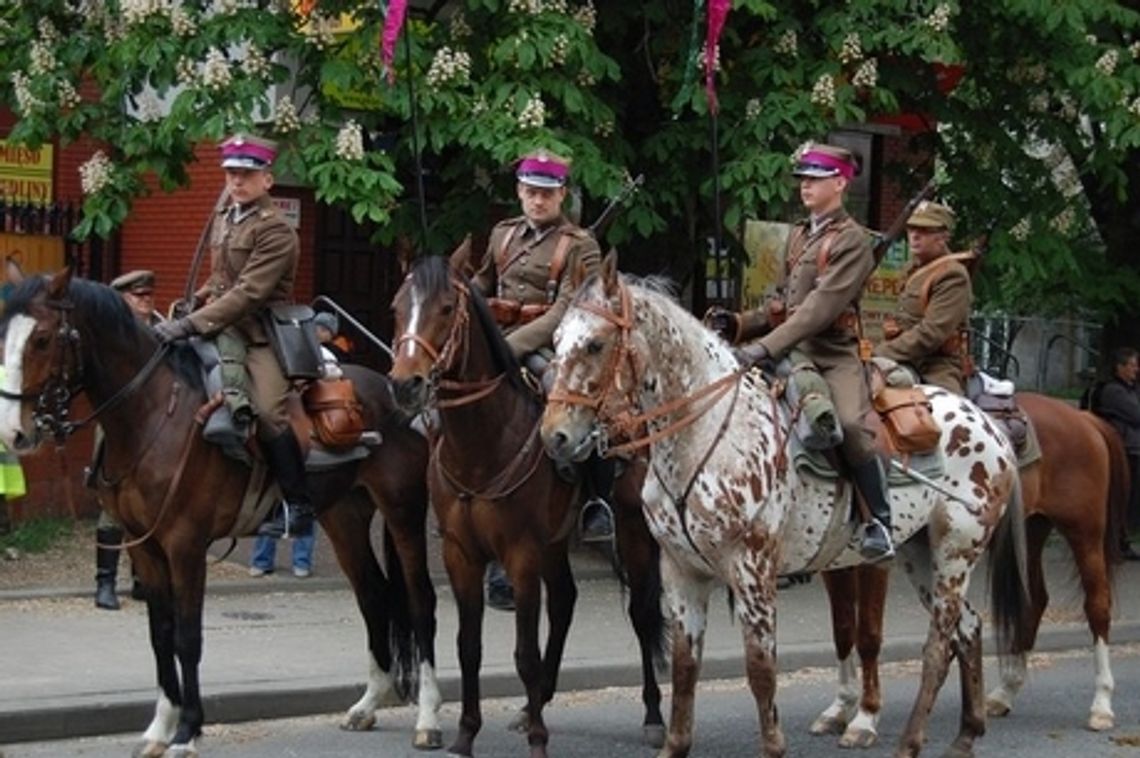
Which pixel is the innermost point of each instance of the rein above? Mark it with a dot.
(501, 485)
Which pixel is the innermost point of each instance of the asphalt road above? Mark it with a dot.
(1048, 722)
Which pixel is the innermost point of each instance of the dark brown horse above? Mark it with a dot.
(174, 494)
(498, 496)
(1078, 487)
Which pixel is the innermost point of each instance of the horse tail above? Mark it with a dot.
(1116, 506)
(401, 631)
(1009, 589)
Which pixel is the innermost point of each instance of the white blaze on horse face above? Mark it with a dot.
(415, 313)
(19, 330)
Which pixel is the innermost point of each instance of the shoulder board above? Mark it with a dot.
(577, 232)
(510, 221)
(265, 213)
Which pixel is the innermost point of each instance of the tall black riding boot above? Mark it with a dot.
(294, 517)
(869, 478)
(106, 568)
(596, 522)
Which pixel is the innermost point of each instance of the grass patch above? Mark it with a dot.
(37, 535)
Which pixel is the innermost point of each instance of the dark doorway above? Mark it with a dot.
(359, 275)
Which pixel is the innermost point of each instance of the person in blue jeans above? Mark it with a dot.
(264, 558)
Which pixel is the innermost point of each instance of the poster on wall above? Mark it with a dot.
(27, 254)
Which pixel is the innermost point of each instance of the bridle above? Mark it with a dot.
(65, 382)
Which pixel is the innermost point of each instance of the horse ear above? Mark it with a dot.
(60, 281)
(461, 258)
(610, 273)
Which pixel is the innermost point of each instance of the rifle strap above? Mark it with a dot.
(934, 267)
(557, 261)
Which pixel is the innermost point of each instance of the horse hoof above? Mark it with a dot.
(957, 752)
(428, 739)
(997, 709)
(149, 750)
(828, 725)
(1101, 722)
(858, 738)
(187, 750)
(520, 723)
(358, 721)
(653, 735)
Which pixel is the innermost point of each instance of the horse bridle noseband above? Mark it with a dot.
(65, 382)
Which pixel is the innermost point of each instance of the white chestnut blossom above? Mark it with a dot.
(66, 95)
(823, 92)
(560, 50)
(187, 71)
(939, 20)
(448, 65)
(26, 102)
(216, 72)
(532, 7)
(182, 22)
(587, 17)
(787, 43)
(149, 107)
(752, 109)
(1063, 221)
(48, 32)
(459, 28)
(867, 75)
(533, 114)
(1020, 230)
(285, 120)
(255, 64)
(350, 142)
(852, 49)
(42, 57)
(1106, 64)
(95, 174)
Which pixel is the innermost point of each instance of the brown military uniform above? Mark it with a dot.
(821, 318)
(253, 264)
(931, 318)
(527, 297)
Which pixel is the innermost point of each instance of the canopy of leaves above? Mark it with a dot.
(1037, 141)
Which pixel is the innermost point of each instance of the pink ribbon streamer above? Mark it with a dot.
(393, 23)
(718, 12)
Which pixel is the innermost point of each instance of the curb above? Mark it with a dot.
(126, 712)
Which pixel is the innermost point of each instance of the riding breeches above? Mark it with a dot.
(269, 390)
(846, 376)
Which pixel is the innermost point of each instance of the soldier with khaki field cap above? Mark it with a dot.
(828, 259)
(927, 331)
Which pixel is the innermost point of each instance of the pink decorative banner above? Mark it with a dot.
(718, 12)
(393, 23)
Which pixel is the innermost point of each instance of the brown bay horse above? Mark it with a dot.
(498, 496)
(174, 493)
(1078, 487)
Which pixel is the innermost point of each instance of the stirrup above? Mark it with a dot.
(288, 522)
(877, 545)
(601, 532)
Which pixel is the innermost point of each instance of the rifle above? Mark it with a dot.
(183, 307)
(898, 227)
(598, 228)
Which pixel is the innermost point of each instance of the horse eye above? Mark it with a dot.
(593, 347)
(40, 341)
(448, 309)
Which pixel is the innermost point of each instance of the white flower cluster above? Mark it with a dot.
(319, 30)
(447, 66)
(48, 32)
(182, 22)
(1039, 103)
(149, 107)
(939, 20)
(1063, 221)
(66, 94)
(1134, 49)
(852, 49)
(1106, 64)
(752, 109)
(26, 102)
(787, 44)
(229, 7)
(533, 115)
(1134, 107)
(350, 142)
(867, 75)
(95, 174)
(479, 107)
(187, 71)
(560, 50)
(42, 58)
(585, 78)
(532, 7)
(605, 128)
(1020, 230)
(823, 92)
(460, 29)
(285, 119)
(587, 17)
(701, 56)
(1023, 73)
(557, 6)
(255, 64)
(216, 72)
(1091, 39)
(136, 11)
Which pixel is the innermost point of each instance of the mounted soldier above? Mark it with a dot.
(253, 265)
(928, 331)
(828, 259)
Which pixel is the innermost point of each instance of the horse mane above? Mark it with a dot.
(103, 310)
(431, 275)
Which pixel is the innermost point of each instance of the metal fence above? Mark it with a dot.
(1038, 354)
(56, 219)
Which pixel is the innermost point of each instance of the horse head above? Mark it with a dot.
(598, 361)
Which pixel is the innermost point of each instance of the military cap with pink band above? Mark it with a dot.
(244, 151)
(820, 161)
(543, 169)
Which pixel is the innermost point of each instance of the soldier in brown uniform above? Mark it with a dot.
(253, 264)
(926, 331)
(828, 259)
(525, 276)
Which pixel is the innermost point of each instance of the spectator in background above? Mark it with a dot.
(328, 325)
(1119, 403)
(11, 474)
(263, 561)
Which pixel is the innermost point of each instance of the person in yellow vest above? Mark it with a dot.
(828, 259)
(12, 482)
(525, 276)
(928, 329)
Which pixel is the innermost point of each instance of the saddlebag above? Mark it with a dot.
(338, 419)
(907, 416)
(293, 335)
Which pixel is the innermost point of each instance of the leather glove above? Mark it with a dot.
(754, 354)
(174, 329)
(724, 322)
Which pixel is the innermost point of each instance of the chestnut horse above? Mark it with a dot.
(1079, 486)
(498, 496)
(726, 506)
(174, 493)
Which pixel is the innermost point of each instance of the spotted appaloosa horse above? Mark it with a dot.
(725, 505)
(174, 494)
(1079, 487)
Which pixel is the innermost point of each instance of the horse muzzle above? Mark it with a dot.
(411, 394)
(567, 442)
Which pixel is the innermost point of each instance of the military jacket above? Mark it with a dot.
(253, 264)
(815, 300)
(933, 311)
(520, 273)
